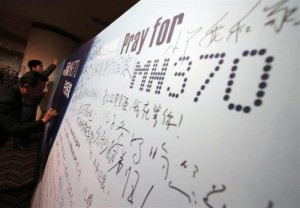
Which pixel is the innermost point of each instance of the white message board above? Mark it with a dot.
(184, 104)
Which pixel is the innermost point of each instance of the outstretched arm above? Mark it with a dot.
(50, 68)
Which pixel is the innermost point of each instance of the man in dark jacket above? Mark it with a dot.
(29, 109)
(30, 88)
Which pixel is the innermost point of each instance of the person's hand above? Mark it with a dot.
(49, 115)
(55, 61)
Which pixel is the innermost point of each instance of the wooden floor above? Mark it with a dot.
(17, 174)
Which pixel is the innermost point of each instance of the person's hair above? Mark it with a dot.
(34, 63)
(32, 78)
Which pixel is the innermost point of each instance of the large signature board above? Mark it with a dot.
(184, 104)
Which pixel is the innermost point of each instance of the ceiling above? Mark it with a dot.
(80, 19)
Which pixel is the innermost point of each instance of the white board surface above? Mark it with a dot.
(184, 104)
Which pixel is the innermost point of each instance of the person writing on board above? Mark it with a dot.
(30, 88)
(29, 108)
(37, 65)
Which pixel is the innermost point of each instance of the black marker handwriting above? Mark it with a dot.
(121, 126)
(166, 166)
(156, 110)
(113, 149)
(148, 193)
(174, 47)
(125, 66)
(133, 187)
(214, 191)
(101, 179)
(167, 119)
(153, 153)
(180, 191)
(146, 111)
(127, 173)
(213, 32)
(183, 164)
(101, 140)
(164, 148)
(281, 14)
(238, 27)
(119, 164)
(166, 160)
(195, 171)
(88, 199)
(139, 154)
(193, 33)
